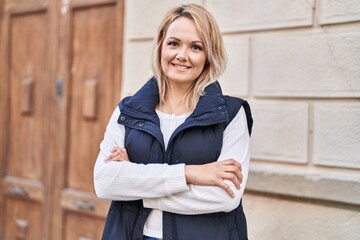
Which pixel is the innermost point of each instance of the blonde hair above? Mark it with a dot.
(214, 48)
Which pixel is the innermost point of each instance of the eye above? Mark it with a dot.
(172, 44)
(196, 47)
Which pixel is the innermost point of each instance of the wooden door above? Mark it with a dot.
(60, 79)
(89, 75)
(27, 45)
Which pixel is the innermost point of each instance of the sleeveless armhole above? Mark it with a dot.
(233, 105)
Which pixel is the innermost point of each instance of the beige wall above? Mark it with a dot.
(298, 64)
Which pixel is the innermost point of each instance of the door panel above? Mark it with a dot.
(25, 58)
(27, 81)
(84, 202)
(23, 219)
(89, 229)
(91, 101)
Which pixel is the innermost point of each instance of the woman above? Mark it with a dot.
(175, 156)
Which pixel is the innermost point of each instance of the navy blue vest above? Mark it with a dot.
(197, 141)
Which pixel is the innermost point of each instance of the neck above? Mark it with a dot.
(176, 100)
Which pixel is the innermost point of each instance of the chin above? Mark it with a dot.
(181, 80)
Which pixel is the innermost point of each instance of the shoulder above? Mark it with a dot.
(144, 100)
(234, 104)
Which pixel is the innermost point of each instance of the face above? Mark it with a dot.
(182, 53)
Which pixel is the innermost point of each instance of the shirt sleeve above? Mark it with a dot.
(209, 199)
(132, 181)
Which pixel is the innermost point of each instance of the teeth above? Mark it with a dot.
(181, 67)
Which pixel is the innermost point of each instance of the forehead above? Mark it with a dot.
(183, 27)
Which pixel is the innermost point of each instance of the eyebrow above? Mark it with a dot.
(177, 39)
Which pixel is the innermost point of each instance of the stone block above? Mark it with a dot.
(301, 181)
(280, 131)
(283, 219)
(235, 79)
(307, 64)
(244, 15)
(338, 11)
(137, 68)
(143, 16)
(337, 134)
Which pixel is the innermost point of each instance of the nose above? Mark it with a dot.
(182, 54)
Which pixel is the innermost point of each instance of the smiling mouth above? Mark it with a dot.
(180, 67)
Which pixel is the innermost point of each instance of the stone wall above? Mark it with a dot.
(298, 64)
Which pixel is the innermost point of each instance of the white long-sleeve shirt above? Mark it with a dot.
(163, 187)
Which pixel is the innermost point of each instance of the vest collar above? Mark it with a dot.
(210, 109)
(143, 103)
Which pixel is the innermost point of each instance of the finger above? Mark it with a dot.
(226, 187)
(234, 170)
(115, 149)
(120, 156)
(231, 168)
(235, 163)
(113, 155)
(120, 159)
(124, 152)
(115, 160)
(230, 162)
(111, 160)
(239, 176)
(232, 177)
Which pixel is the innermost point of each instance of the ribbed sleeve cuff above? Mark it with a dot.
(176, 181)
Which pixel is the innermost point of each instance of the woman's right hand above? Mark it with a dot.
(214, 174)
(118, 154)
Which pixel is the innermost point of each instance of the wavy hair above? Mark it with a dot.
(214, 48)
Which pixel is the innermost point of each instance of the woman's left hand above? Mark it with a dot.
(214, 174)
